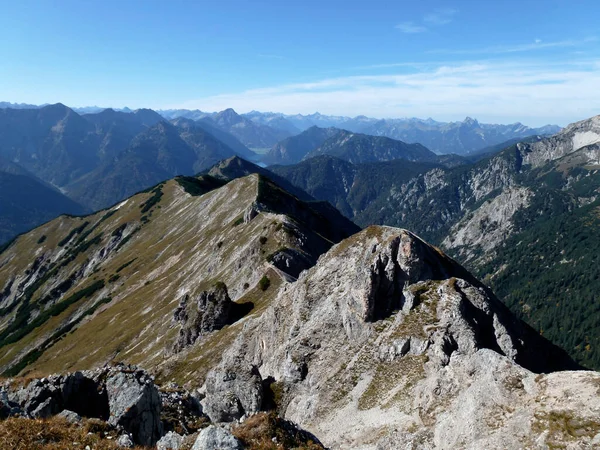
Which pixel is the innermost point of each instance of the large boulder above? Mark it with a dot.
(134, 404)
(40, 398)
(82, 393)
(216, 438)
(170, 441)
(232, 392)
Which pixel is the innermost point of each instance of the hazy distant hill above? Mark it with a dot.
(250, 133)
(159, 153)
(273, 120)
(26, 203)
(227, 138)
(292, 149)
(361, 148)
(101, 158)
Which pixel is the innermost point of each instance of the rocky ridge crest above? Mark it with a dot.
(387, 340)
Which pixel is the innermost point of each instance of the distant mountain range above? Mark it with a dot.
(99, 159)
(461, 138)
(255, 288)
(26, 201)
(260, 130)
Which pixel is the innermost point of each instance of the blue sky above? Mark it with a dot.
(531, 61)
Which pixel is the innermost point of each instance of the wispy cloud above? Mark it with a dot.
(538, 44)
(435, 18)
(440, 16)
(410, 27)
(494, 91)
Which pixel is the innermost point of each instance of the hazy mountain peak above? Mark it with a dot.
(470, 122)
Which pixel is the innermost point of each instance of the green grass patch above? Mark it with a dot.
(20, 328)
(157, 194)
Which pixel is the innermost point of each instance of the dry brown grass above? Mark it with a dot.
(17, 433)
(266, 431)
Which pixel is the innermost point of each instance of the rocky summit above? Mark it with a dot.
(216, 312)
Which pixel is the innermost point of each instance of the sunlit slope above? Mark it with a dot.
(78, 292)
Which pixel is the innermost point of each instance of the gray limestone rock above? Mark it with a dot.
(135, 405)
(170, 441)
(233, 392)
(7, 406)
(40, 398)
(71, 416)
(211, 310)
(388, 343)
(216, 438)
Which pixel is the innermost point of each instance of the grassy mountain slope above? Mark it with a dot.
(105, 287)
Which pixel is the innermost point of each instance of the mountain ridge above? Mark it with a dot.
(482, 213)
(265, 302)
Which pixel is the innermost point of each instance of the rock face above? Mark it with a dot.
(387, 341)
(233, 392)
(210, 311)
(123, 395)
(135, 405)
(216, 438)
(576, 136)
(81, 393)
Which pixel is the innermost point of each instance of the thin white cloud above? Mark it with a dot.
(497, 50)
(492, 91)
(410, 27)
(440, 16)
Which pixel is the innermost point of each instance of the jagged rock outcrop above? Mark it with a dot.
(135, 405)
(388, 343)
(572, 138)
(80, 392)
(210, 311)
(124, 396)
(232, 392)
